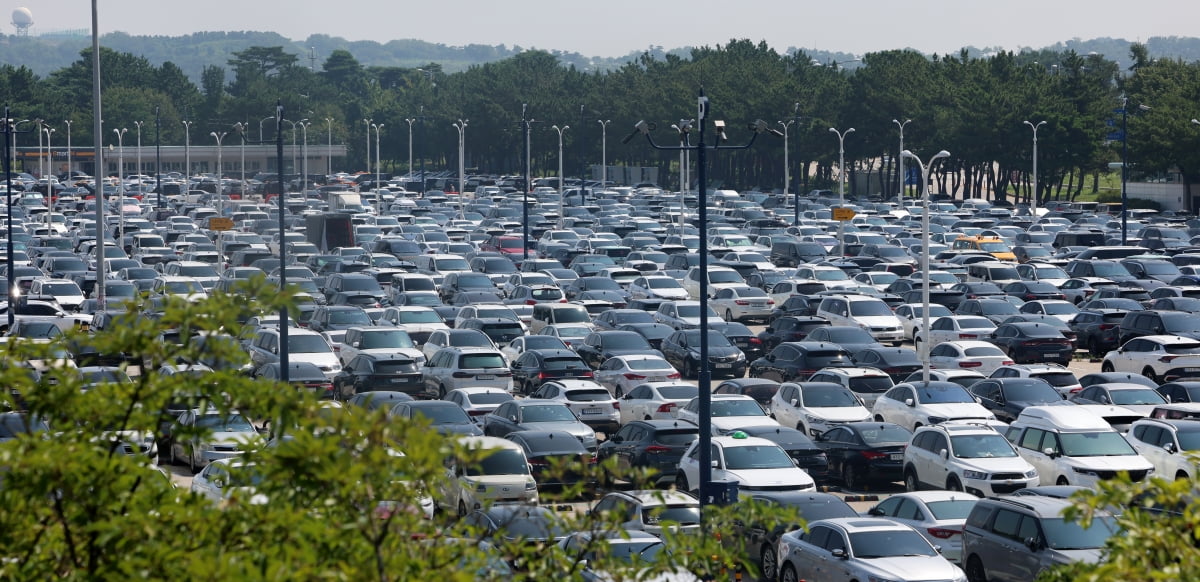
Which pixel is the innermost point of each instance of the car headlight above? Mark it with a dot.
(1088, 472)
(1030, 474)
(530, 485)
(937, 419)
(810, 419)
(881, 579)
(978, 475)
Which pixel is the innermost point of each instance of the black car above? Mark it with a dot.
(796, 361)
(790, 328)
(445, 417)
(761, 390)
(796, 305)
(653, 445)
(654, 333)
(760, 544)
(861, 452)
(1160, 323)
(977, 290)
(367, 372)
(555, 457)
(599, 346)
(741, 336)
(615, 318)
(1033, 343)
(1115, 378)
(997, 310)
(505, 524)
(1188, 304)
(851, 338)
(949, 298)
(799, 447)
(682, 350)
(1098, 330)
(302, 374)
(1007, 397)
(895, 362)
(500, 330)
(339, 317)
(1113, 303)
(377, 399)
(1176, 392)
(1050, 320)
(534, 367)
(1033, 290)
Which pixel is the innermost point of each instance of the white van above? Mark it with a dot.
(1069, 445)
(499, 476)
(551, 313)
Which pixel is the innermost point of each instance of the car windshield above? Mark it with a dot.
(648, 364)
(953, 508)
(350, 317)
(601, 284)
(694, 311)
(828, 397)
(983, 351)
(975, 323)
(850, 335)
(625, 341)
(308, 344)
(981, 446)
(942, 394)
(224, 423)
(419, 317)
(885, 544)
(1095, 444)
(997, 308)
(871, 384)
(1050, 273)
(934, 311)
(569, 363)
(454, 264)
(678, 392)
(1062, 534)
(715, 340)
(500, 462)
(681, 514)
(489, 397)
(570, 331)
(1110, 270)
(756, 457)
(830, 275)
(662, 283)
(884, 433)
(386, 339)
(869, 308)
(736, 407)
(546, 414)
(1038, 389)
(572, 315)
(1059, 308)
(1136, 396)
(1189, 440)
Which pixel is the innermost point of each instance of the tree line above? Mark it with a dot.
(972, 106)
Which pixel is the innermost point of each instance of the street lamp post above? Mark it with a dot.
(924, 347)
(367, 123)
(260, 127)
(241, 129)
(294, 167)
(329, 147)
(560, 131)
(120, 185)
(187, 153)
(461, 126)
(525, 194)
(139, 151)
(220, 170)
(704, 376)
(1034, 199)
(683, 127)
(900, 162)
(10, 128)
(786, 167)
(41, 168)
(410, 121)
(378, 196)
(157, 157)
(603, 152)
(68, 122)
(842, 185)
(304, 125)
(49, 157)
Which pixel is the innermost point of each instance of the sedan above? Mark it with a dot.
(1137, 398)
(521, 415)
(518, 346)
(654, 445)
(621, 373)
(796, 361)
(895, 362)
(982, 357)
(1033, 291)
(225, 435)
(1064, 310)
(1033, 343)
(741, 336)
(226, 479)
(864, 549)
(728, 412)
(743, 303)
(914, 404)
(657, 287)
(939, 516)
(478, 401)
(447, 418)
(555, 457)
(655, 400)
(850, 338)
(682, 350)
(864, 452)
(571, 334)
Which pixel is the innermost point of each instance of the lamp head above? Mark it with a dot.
(720, 127)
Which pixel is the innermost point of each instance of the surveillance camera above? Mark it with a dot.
(639, 127)
(720, 126)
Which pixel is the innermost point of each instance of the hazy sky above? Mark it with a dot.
(616, 27)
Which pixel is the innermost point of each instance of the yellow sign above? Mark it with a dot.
(220, 223)
(843, 214)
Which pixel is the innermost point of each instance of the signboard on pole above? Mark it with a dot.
(843, 214)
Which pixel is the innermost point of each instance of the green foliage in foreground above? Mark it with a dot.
(75, 509)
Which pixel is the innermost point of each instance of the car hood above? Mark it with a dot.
(231, 438)
(957, 410)
(728, 423)
(467, 428)
(1015, 464)
(770, 477)
(879, 321)
(575, 428)
(912, 568)
(669, 293)
(1133, 462)
(841, 413)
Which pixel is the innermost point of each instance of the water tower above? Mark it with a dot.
(22, 19)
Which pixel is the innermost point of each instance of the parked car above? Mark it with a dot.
(653, 445)
(865, 549)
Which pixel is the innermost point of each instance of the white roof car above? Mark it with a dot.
(815, 407)
(757, 464)
(914, 404)
(727, 412)
(982, 357)
(965, 457)
(1069, 445)
(865, 549)
(939, 516)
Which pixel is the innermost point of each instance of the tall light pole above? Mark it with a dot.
(1034, 200)
(304, 125)
(220, 173)
(842, 185)
(786, 168)
(461, 126)
(139, 151)
(241, 130)
(900, 162)
(367, 122)
(294, 146)
(378, 196)
(187, 153)
(49, 155)
(98, 150)
(158, 157)
(410, 121)
(68, 122)
(41, 163)
(603, 152)
(260, 127)
(525, 121)
(120, 185)
(924, 347)
(329, 147)
(683, 127)
(560, 131)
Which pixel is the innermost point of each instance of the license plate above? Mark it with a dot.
(896, 456)
(591, 411)
(486, 377)
(1191, 369)
(657, 379)
(724, 365)
(399, 380)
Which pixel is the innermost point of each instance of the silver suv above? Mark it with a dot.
(1016, 538)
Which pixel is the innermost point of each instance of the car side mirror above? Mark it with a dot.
(909, 402)
(1169, 447)
(944, 454)
(794, 401)
(617, 439)
(1033, 544)
(1050, 452)
(513, 418)
(716, 464)
(839, 553)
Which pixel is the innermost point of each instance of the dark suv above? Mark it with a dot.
(656, 445)
(1016, 538)
(1140, 323)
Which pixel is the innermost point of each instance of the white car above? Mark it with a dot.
(978, 356)
(1069, 445)
(862, 549)
(504, 479)
(477, 401)
(718, 278)
(939, 516)
(757, 464)
(742, 303)
(225, 435)
(955, 328)
(418, 321)
(657, 287)
(727, 412)
(1058, 308)
(868, 313)
(910, 315)
(683, 314)
(914, 404)
(877, 279)
(621, 373)
(831, 276)
(513, 349)
(655, 401)
(1140, 399)
(228, 479)
(965, 457)
(815, 407)
(378, 340)
(1170, 445)
(591, 402)
(1161, 358)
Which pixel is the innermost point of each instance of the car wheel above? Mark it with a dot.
(766, 562)
(788, 574)
(1107, 367)
(1181, 476)
(681, 482)
(879, 418)
(975, 571)
(462, 509)
(1093, 347)
(1149, 373)
(851, 477)
(729, 315)
(910, 480)
(192, 461)
(174, 460)
(953, 484)
(1062, 481)
(442, 391)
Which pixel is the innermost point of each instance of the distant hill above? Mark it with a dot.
(45, 54)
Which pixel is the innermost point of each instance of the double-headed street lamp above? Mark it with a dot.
(241, 129)
(139, 151)
(304, 124)
(603, 152)
(49, 159)
(786, 167)
(1034, 200)
(68, 122)
(560, 131)
(410, 121)
(329, 147)
(704, 376)
(683, 127)
(187, 153)
(260, 127)
(378, 196)
(120, 185)
(900, 162)
(924, 347)
(220, 170)
(841, 135)
(367, 123)
(461, 126)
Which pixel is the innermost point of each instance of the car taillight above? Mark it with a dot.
(1030, 296)
(970, 364)
(616, 405)
(1007, 363)
(1106, 326)
(635, 377)
(673, 376)
(967, 336)
(667, 408)
(530, 302)
(504, 373)
(770, 302)
(1167, 358)
(755, 341)
(562, 300)
(542, 376)
(741, 302)
(462, 375)
(657, 449)
(872, 455)
(538, 462)
(943, 533)
(587, 374)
